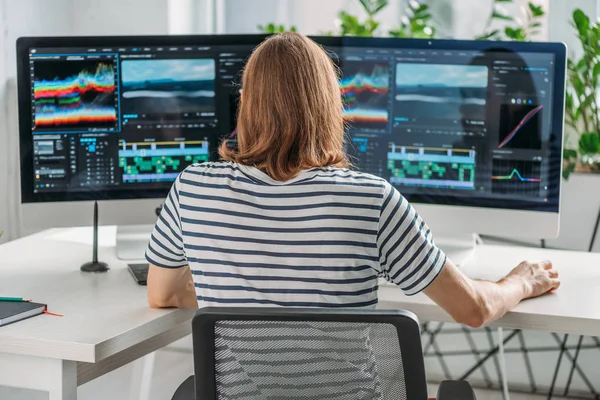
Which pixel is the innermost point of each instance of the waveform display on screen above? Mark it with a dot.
(516, 177)
(523, 120)
(74, 94)
(159, 161)
(432, 167)
(365, 88)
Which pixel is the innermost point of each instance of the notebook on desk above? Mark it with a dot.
(12, 311)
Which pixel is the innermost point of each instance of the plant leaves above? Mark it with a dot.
(490, 35)
(517, 34)
(568, 169)
(581, 21)
(372, 7)
(589, 143)
(497, 15)
(536, 11)
(569, 153)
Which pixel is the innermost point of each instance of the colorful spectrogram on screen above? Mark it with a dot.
(365, 91)
(74, 94)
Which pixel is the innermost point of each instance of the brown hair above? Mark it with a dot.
(290, 117)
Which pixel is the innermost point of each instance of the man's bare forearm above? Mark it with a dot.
(498, 298)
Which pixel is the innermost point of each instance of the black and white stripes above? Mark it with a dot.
(318, 240)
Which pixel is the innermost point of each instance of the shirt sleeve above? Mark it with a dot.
(408, 256)
(166, 243)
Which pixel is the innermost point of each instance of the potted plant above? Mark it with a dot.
(581, 103)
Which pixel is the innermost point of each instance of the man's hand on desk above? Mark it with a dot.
(538, 278)
(478, 302)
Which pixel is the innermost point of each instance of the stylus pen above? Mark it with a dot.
(16, 299)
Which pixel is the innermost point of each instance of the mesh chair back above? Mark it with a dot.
(283, 353)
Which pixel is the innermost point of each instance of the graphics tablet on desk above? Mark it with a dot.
(139, 272)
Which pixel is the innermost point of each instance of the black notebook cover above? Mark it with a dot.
(13, 311)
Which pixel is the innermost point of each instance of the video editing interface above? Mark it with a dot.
(128, 117)
(430, 121)
(459, 123)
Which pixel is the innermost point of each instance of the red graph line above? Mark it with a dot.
(526, 118)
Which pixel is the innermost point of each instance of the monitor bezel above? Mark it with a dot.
(24, 44)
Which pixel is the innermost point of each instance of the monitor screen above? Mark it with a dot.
(469, 127)
(127, 117)
(446, 122)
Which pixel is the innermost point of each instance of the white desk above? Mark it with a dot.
(573, 309)
(107, 321)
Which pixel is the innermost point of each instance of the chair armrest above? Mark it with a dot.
(186, 391)
(455, 390)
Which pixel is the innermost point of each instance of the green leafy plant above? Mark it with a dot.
(416, 23)
(520, 29)
(581, 102)
(351, 25)
(273, 28)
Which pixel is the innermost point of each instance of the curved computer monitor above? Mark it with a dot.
(469, 131)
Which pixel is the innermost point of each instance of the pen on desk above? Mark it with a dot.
(16, 299)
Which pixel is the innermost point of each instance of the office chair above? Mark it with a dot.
(306, 354)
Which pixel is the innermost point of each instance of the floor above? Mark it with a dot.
(172, 366)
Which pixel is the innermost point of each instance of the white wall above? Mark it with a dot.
(19, 18)
(55, 18)
(560, 20)
(119, 17)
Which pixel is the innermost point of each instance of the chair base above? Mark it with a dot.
(186, 391)
(455, 390)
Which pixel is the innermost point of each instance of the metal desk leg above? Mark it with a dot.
(57, 377)
(141, 383)
(505, 393)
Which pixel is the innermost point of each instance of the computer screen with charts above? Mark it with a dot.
(460, 126)
(126, 118)
(463, 123)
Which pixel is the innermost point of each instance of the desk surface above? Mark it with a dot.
(574, 308)
(108, 313)
(103, 313)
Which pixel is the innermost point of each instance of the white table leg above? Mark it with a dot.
(57, 377)
(502, 357)
(141, 383)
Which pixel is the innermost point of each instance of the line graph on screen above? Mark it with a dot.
(517, 177)
(528, 125)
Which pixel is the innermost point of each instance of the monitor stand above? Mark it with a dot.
(132, 241)
(458, 248)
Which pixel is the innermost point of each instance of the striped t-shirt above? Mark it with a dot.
(321, 239)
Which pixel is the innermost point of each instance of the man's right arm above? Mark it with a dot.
(475, 303)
